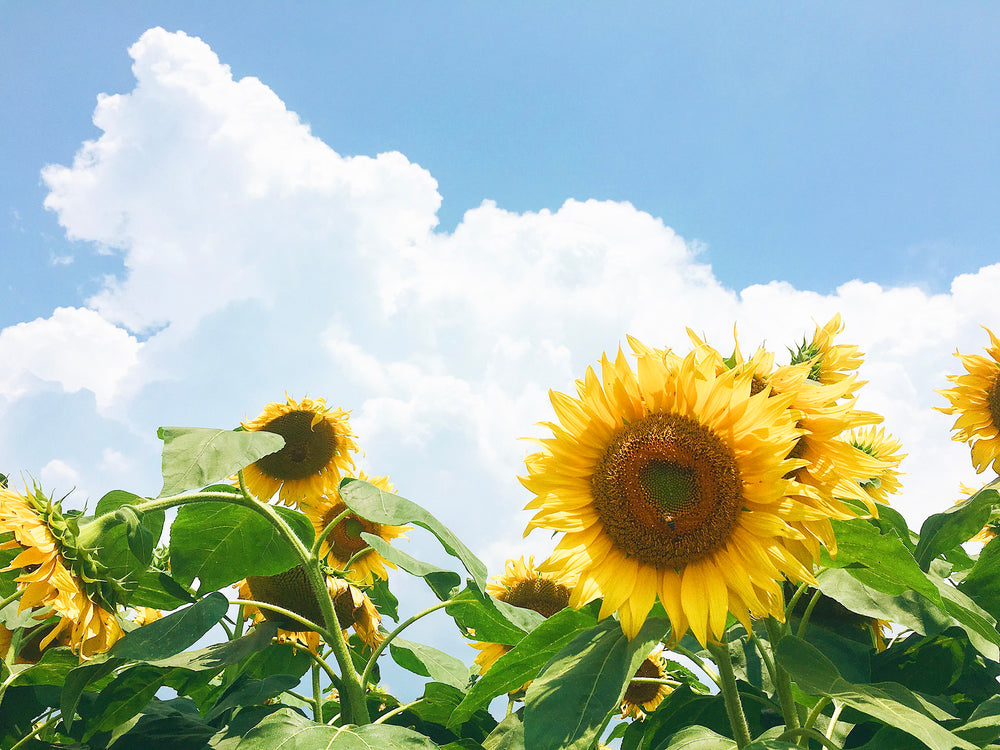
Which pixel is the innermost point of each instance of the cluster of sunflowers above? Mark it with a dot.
(696, 499)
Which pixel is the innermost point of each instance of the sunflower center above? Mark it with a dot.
(993, 401)
(639, 693)
(308, 447)
(667, 490)
(345, 539)
(544, 596)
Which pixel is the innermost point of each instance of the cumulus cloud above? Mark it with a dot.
(257, 259)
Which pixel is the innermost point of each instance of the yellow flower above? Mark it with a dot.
(642, 697)
(47, 582)
(883, 447)
(318, 449)
(672, 482)
(976, 400)
(291, 590)
(830, 363)
(345, 541)
(522, 585)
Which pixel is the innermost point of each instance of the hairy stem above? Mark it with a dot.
(730, 692)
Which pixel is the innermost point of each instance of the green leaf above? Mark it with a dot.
(567, 704)
(887, 702)
(250, 692)
(441, 581)
(51, 669)
(984, 725)
(492, 620)
(163, 638)
(368, 501)
(125, 697)
(943, 531)
(288, 730)
(383, 599)
(508, 734)
(157, 589)
(220, 544)
(698, 738)
(213, 658)
(523, 663)
(980, 584)
(195, 457)
(427, 661)
(77, 681)
(173, 724)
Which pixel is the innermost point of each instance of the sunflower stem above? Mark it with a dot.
(815, 712)
(326, 531)
(23, 742)
(12, 598)
(765, 656)
(804, 622)
(305, 623)
(400, 628)
(679, 649)
(834, 718)
(397, 710)
(782, 681)
(317, 699)
(803, 587)
(730, 692)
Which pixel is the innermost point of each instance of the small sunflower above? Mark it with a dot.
(318, 449)
(880, 445)
(344, 541)
(642, 697)
(830, 363)
(522, 585)
(674, 482)
(976, 400)
(291, 590)
(47, 557)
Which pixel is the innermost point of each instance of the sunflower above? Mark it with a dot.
(522, 585)
(37, 529)
(318, 448)
(291, 590)
(880, 445)
(830, 363)
(976, 400)
(642, 697)
(673, 482)
(344, 541)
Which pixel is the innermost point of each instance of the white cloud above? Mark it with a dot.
(259, 260)
(57, 473)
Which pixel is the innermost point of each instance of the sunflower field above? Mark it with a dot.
(728, 572)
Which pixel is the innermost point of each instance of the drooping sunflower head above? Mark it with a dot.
(344, 545)
(291, 591)
(975, 398)
(672, 482)
(641, 697)
(59, 574)
(319, 448)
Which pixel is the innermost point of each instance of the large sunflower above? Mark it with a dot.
(318, 448)
(344, 541)
(673, 482)
(976, 400)
(522, 585)
(47, 581)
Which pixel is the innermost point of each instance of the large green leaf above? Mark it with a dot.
(427, 661)
(567, 704)
(77, 681)
(220, 544)
(125, 697)
(943, 531)
(523, 663)
(441, 581)
(984, 724)
(288, 730)
(368, 501)
(490, 619)
(698, 738)
(980, 584)
(163, 638)
(249, 692)
(213, 658)
(888, 702)
(173, 724)
(508, 734)
(51, 669)
(195, 457)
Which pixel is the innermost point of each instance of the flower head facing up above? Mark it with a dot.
(318, 449)
(975, 398)
(344, 542)
(48, 555)
(672, 481)
(642, 697)
(830, 363)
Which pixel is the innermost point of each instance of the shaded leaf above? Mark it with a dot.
(172, 634)
(440, 580)
(698, 738)
(980, 584)
(427, 661)
(943, 531)
(122, 699)
(291, 731)
(195, 457)
(490, 619)
(368, 501)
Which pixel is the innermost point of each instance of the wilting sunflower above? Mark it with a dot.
(34, 525)
(291, 590)
(642, 697)
(976, 400)
(673, 482)
(344, 541)
(522, 585)
(318, 449)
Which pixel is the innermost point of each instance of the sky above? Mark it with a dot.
(431, 214)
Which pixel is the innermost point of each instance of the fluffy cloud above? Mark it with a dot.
(256, 260)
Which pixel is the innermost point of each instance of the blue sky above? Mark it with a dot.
(431, 214)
